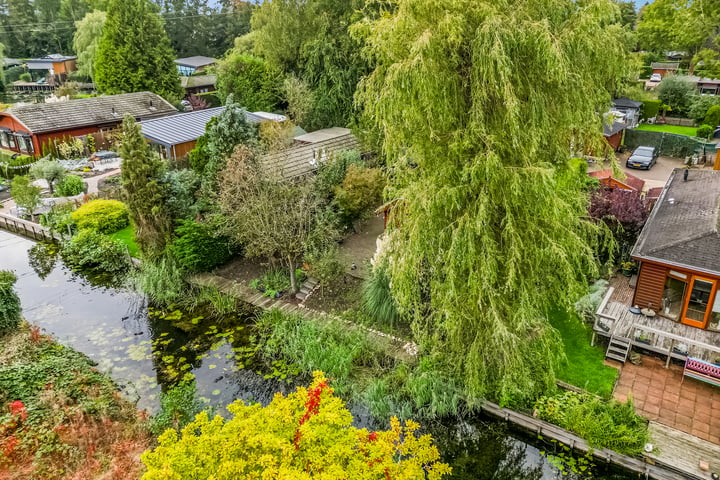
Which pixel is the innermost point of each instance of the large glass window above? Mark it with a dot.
(4, 139)
(673, 296)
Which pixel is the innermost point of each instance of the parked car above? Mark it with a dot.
(655, 77)
(642, 157)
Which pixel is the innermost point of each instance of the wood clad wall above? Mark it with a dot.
(650, 286)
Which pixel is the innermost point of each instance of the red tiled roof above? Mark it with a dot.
(654, 192)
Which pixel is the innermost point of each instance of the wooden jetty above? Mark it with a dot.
(28, 229)
(650, 466)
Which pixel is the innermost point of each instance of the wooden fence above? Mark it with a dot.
(28, 229)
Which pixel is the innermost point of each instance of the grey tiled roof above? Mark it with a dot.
(682, 229)
(184, 127)
(303, 159)
(84, 112)
(665, 65)
(626, 103)
(610, 130)
(196, 61)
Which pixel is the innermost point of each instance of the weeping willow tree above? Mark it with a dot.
(477, 105)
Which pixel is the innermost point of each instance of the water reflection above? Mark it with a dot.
(145, 349)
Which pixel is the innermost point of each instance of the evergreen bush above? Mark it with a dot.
(92, 249)
(10, 308)
(650, 109)
(197, 247)
(705, 131)
(69, 186)
(104, 216)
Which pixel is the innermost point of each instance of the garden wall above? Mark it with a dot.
(681, 122)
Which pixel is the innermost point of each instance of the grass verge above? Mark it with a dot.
(127, 236)
(584, 367)
(689, 131)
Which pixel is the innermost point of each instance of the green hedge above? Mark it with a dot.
(20, 165)
(670, 144)
(650, 109)
(104, 216)
(198, 248)
(211, 98)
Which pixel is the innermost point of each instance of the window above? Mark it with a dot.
(673, 296)
(25, 143)
(4, 139)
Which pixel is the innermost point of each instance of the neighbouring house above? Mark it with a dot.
(675, 56)
(25, 128)
(706, 86)
(198, 84)
(614, 133)
(679, 251)
(630, 110)
(607, 180)
(665, 68)
(671, 306)
(173, 137)
(310, 150)
(53, 68)
(192, 65)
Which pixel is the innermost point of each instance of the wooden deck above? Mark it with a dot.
(28, 229)
(681, 452)
(657, 334)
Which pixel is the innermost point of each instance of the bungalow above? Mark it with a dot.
(607, 180)
(54, 68)
(25, 128)
(310, 150)
(614, 133)
(174, 136)
(630, 110)
(706, 86)
(679, 251)
(198, 84)
(192, 65)
(665, 68)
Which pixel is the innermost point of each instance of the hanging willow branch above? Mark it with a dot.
(478, 104)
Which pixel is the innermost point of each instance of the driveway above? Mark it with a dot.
(657, 176)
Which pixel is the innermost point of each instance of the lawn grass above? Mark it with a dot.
(127, 236)
(690, 131)
(584, 367)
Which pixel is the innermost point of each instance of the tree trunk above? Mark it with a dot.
(50, 185)
(293, 286)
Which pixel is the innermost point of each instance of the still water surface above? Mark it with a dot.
(114, 326)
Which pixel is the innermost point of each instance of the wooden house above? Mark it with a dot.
(614, 134)
(665, 68)
(193, 65)
(173, 137)
(25, 128)
(679, 251)
(54, 68)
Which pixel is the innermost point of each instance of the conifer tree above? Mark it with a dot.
(144, 195)
(134, 53)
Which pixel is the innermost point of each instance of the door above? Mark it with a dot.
(698, 302)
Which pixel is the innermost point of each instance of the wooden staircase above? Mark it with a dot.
(307, 287)
(618, 349)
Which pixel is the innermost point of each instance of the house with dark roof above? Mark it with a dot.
(25, 128)
(174, 136)
(705, 86)
(607, 180)
(54, 68)
(614, 133)
(679, 251)
(191, 65)
(198, 84)
(630, 110)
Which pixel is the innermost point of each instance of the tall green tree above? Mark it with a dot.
(19, 23)
(144, 194)
(88, 33)
(253, 83)
(134, 52)
(476, 104)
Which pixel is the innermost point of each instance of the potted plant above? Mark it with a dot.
(628, 268)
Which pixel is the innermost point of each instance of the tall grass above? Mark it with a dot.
(162, 280)
(377, 298)
(334, 348)
(221, 303)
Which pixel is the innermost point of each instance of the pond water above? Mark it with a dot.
(141, 349)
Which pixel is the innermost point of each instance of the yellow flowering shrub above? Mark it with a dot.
(306, 435)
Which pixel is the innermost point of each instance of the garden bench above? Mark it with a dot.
(702, 370)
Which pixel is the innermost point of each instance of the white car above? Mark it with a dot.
(655, 77)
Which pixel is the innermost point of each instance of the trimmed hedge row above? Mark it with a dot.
(670, 144)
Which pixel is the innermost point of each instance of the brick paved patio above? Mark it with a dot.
(693, 407)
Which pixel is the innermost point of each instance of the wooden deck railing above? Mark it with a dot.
(28, 229)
